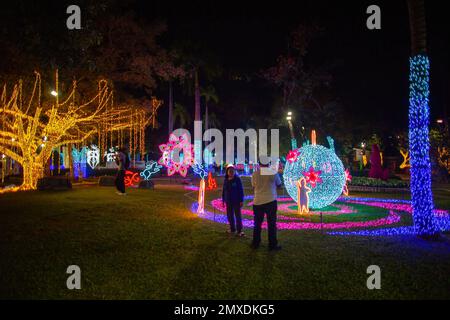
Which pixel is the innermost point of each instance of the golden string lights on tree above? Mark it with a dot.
(444, 158)
(31, 129)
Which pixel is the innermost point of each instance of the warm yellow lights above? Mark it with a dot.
(443, 158)
(313, 137)
(406, 158)
(201, 197)
(30, 129)
(302, 196)
(364, 159)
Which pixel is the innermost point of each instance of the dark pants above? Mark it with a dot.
(234, 216)
(120, 181)
(271, 210)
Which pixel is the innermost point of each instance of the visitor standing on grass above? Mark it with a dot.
(265, 182)
(233, 198)
(123, 162)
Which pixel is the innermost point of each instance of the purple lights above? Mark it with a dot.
(386, 221)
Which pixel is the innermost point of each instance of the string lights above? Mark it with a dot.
(212, 183)
(348, 178)
(151, 168)
(31, 129)
(177, 155)
(302, 196)
(419, 145)
(406, 159)
(323, 171)
(131, 178)
(388, 220)
(202, 172)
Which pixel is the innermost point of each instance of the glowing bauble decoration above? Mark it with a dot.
(177, 155)
(323, 171)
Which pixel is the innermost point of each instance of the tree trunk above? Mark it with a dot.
(197, 96)
(32, 172)
(419, 144)
(207, 120)
(70, 166)
(206, 116)
(170, 107)
(417, 24)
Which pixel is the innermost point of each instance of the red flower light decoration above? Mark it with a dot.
(292, 156)
(131, 178)
(348, 176)
(313, 177)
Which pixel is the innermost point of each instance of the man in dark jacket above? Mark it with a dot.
(233, 198)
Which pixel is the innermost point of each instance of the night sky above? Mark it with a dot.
(369, 67)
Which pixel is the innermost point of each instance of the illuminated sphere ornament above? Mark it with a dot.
(323, 171)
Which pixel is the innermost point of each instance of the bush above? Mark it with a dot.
(371, 182)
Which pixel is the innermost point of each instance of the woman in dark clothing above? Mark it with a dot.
(233, 198)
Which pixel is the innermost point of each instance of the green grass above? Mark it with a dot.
(147, 245)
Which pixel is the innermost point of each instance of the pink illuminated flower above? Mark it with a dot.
(348, 176)
(292, 156)
(313, 177)
(177, 145)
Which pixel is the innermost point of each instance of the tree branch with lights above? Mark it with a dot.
(31, 128)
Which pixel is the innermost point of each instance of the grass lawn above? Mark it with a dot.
(147, 245)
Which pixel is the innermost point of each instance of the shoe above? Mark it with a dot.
(276, 248)
(254, 246)
(121, 194)
(241, 234)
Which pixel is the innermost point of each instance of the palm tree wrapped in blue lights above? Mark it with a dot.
(419, 144)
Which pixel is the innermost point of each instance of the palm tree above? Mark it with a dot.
(419, 144)
(209, 94)
(181, 114)
(214, 122)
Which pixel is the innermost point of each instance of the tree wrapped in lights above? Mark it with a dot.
(419, 112)
(30, 128)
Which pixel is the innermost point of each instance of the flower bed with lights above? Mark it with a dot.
(347, 215)
(371, 182)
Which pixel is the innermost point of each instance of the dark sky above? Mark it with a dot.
(371, 74)
(370, 66)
